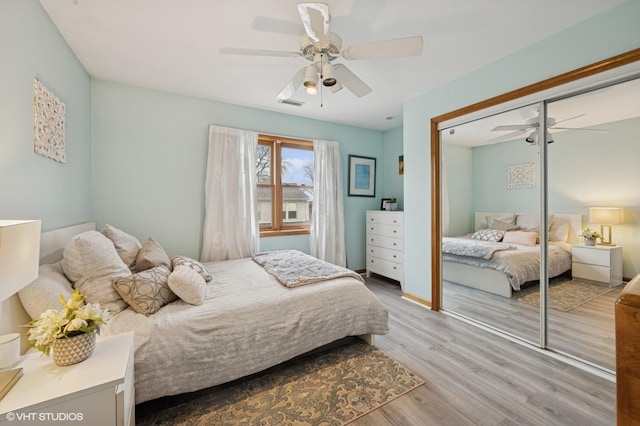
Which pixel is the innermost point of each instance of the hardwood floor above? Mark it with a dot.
(474, 377)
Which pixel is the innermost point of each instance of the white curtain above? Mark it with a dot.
(231, 229)
(327, 217)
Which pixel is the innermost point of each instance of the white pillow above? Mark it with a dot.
(44, 292)
(525, 238)
(126, 245)
(188, 284)
(504, 217)
(91, 262)
(559, 230)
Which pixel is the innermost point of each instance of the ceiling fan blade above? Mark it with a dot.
(580, 128)
(506, 127)
(396, 48)
(315, 18)
(258, 52)
(351, 81)
(566, 119)
(292, 85)
(508, 136)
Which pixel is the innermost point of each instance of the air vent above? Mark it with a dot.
(291, 102)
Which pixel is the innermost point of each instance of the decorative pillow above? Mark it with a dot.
(508, 218)
(525, 238)
(193, 264)
(531, 222)
(151, 255)
(559, 231)
(503, 226)
(146, 291)
(126, 245)
(91, 262)
(188, 284)
(44, 292)
(488, 235)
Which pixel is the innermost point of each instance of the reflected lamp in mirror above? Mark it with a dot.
(19, 255)
(605, 217)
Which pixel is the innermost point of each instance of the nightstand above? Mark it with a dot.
(602, 264)
(96, 391)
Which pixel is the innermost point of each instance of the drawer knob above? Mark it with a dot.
(394, 256)
(394, 231)
(395, 267)
(394, 244)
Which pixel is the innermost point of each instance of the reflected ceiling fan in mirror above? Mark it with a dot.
(321, 47)
(531, 126)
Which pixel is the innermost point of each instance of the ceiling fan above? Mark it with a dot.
(531, 125)
(321, 47)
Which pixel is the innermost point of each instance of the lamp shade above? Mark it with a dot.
(606, 215)
(19, 254)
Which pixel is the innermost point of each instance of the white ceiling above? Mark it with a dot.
(591, 110)
(173, 45)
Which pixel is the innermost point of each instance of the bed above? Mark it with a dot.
(248, 321)
(510, 267)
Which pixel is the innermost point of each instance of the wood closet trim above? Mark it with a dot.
(436, 233)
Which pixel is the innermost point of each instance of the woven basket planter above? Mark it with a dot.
(72, 350)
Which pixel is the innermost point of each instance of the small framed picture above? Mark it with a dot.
(362, 176)
(384, 202)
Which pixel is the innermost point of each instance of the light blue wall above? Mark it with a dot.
(32, 186)
(610, 33)
(393, 148)
(149, 160)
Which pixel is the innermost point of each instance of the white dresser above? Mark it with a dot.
(597, 263)
(385, 244)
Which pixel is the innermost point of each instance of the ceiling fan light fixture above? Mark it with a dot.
(311, 79)
(328, 79)
(531, 138)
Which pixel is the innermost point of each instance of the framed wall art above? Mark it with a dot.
(362, 176)
(49, 123)
(521, 176)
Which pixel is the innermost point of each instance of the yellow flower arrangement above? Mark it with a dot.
(75, 318)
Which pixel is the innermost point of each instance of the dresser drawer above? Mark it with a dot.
(387, 268)
(591, 272)
(592, 256)
(386, 242)
(385, 218)
(385, 253)
(386, 230)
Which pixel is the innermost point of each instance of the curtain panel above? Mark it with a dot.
(327, 217)
(231, 229)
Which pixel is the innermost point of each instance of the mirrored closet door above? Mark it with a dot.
(501, 176)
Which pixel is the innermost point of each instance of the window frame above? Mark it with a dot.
(278, 225)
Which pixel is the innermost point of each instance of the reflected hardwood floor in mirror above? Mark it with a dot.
(474, 377)
(586, 331)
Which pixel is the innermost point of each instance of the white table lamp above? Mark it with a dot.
(19, 255)
(605, 217)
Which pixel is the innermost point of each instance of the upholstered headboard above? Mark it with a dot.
(12, 314)
(575, 222)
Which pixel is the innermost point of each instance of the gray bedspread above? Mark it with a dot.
(292, 268)
(248, 322)
(473, 248)
(521, 265)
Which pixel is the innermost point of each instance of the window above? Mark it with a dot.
(285, 185)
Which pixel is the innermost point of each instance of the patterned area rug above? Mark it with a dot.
(328, 388)
(565, 294)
